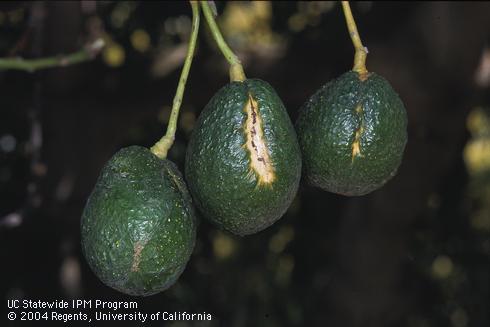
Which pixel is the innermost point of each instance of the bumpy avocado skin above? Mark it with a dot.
(327, 126)
(138, 226)
(217, 169)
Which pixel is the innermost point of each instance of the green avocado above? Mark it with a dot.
(243, 162)
(352, 133)
(138, 226)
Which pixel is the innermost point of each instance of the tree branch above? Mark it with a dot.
(89, 52)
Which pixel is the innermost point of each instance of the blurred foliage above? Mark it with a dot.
(453, 248)
(309, 14)
(477, 159)
(247, 26)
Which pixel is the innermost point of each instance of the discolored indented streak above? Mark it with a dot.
(138, 247)
(356, 144)
(260, 162)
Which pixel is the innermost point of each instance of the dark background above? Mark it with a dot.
(415, 253)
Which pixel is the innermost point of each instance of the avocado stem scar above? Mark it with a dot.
(260, 162)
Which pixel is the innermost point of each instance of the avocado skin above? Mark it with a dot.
(326, 129)
(138, 198)
(217, 167)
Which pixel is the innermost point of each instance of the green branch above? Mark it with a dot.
(361, 51)
(236, 68)
(31, 65)
(160, 149)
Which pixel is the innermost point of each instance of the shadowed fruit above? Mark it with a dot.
(243, 161)
(352, 133)
(139, 225)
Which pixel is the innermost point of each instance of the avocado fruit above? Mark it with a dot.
(352, 133)
(243, 162)
(138, 227)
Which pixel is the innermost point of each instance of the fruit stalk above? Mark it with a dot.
(31, 65)
(361, 51)
(160, 149)
(236, 69)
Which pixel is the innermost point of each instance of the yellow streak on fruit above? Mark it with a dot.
(356, 144)
(356, 148)
(138, 247)
(260, 162)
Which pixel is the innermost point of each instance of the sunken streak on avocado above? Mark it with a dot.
(243, 162)
(138, 226)
(352, 133)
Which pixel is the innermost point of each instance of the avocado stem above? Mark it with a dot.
(236, 69)
(160, 149)
(361, 51)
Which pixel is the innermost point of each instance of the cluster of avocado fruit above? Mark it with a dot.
(243, 166)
